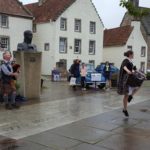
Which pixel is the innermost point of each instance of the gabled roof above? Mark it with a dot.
(14, 8)
(117, 36)
(49, 10)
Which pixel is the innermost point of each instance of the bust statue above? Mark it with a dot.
(26, 45)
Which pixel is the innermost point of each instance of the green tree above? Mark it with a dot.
(136, 12)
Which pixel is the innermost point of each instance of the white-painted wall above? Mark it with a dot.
(136, 40)
(114, 54)
(50, 32)
(46, 34)
(17, 26)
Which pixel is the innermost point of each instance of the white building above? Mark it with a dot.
(14, 20)
(119, 40)
(66, 30)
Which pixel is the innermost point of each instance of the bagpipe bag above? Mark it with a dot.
(136, 79)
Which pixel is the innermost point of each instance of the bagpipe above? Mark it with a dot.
(136, 79)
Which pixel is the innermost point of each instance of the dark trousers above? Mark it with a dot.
(83, 82)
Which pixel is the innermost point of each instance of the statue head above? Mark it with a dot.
(28, 36)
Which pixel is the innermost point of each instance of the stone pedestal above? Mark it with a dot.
(30, 74)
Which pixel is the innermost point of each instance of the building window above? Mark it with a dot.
(92, 62)
(63, 45)
(46, 47)
(34, 28)
(63, 24)
(92, 47)
(4, 42)
(4, 21)
(129, 47)
(143, 51)
(92, 27)
(77, 46)
(142, 68)
(77, 27)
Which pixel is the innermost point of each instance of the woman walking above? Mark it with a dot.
(126, 70)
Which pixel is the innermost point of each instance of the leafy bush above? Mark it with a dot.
(136, 12)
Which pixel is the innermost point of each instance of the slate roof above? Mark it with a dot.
(14, 8)
(49, 10)
(117, 36)
(146, 23)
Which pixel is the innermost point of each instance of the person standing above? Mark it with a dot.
(75, 70)
(83, 75)
(7, 77)
(126, 70)
(107, 73)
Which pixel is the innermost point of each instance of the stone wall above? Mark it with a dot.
(126, 20)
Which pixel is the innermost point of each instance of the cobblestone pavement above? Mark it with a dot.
(90, 120)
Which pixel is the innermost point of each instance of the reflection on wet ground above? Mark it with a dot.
(7, 143)
(90, 128)
(107, 131)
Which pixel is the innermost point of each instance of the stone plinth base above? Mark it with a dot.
(30, 74)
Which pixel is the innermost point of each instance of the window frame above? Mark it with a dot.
(130, 47)
(66, 46)
(46, 45)
(64, 21)
(8, 43)
(80, 46)
(94, 31)
(34, 28)
(143, 54)
(94, 50)
(142, 63)
(79, 25)
(6, 21)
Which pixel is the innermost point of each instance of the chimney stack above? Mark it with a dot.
(135, 2)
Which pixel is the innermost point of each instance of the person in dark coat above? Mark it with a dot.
(71, 70)
(75, 70)
(126, 70)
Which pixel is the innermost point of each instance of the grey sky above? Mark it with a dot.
(109, 10)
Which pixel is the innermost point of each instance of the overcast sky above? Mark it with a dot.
(109, 10)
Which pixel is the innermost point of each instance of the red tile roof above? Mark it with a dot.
(117, 36)
(49, 10)
(14, 7)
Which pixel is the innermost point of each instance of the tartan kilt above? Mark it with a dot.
(8, 88)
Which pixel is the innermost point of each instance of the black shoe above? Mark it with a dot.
(8, 106)
(126, 113)
(15, 106)
(130, 98)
